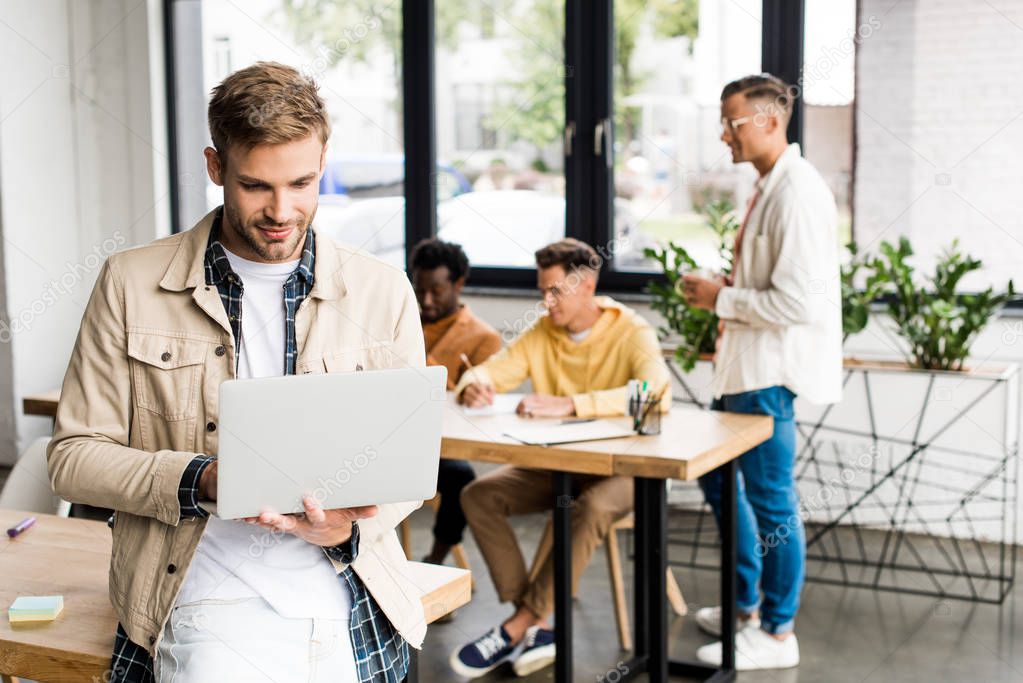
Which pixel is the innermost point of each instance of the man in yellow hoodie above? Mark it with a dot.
(580, 357)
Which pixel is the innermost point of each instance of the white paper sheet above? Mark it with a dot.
(548, 432)
(504, 404)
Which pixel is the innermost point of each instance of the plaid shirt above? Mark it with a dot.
(381, 654)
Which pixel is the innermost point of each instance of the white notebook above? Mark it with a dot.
(504, 404)
(548, 433)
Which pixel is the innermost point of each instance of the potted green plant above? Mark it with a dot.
(695, 328)
(857, 297)
(938, 322)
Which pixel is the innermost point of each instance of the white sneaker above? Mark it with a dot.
(755, 649)
(709, 621)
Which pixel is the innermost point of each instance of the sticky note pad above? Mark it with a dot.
(35, 608)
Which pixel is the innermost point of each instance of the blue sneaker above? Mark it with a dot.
(484, 654)
(538, 651)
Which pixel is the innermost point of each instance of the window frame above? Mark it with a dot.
(589, 89)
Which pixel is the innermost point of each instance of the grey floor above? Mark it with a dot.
(845, 634)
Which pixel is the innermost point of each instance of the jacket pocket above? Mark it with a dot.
(376, 357)
(310, 367)
(166, 373)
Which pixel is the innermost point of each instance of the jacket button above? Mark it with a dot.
(165, 356)
(220, 351)
(211, 427)
(171, 568)
(152, 639)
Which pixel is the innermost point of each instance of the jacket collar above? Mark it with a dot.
(774, 176)
(187, 269)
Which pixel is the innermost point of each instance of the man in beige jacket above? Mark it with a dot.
(320, 596)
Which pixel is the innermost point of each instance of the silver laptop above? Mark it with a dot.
(347, 439)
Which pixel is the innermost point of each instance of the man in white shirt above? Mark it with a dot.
(782, 337)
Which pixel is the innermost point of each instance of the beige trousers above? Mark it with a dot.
(597, 503)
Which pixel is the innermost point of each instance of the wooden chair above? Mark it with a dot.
(457, 552)
(28, 484)
(614, 570)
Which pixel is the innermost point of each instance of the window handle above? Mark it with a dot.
(569, 137)
(601, 141)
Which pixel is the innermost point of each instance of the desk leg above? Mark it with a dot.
(563, 576)
(656, 568)
(651, 654)
(641, 553)
(728, 562)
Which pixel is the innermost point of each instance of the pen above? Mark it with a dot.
(579, 421)
(465, 359)
(21, 526)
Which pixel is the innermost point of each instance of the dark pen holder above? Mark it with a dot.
(646, 417)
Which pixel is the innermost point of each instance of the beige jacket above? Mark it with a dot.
(140, 400)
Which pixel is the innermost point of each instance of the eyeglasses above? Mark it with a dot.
(731, 125)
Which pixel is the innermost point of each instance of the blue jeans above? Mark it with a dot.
(770, 540)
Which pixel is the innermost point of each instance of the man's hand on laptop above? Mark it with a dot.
(477, 395)
(317, 526)
(544, 405)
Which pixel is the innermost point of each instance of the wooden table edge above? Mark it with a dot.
(649, 467)
(528, 456)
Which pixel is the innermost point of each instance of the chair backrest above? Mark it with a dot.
(28, 485)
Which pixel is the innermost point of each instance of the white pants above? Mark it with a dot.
(246, 640)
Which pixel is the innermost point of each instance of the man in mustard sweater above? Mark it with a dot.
(579, 357)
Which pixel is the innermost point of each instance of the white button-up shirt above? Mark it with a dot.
(783, 316)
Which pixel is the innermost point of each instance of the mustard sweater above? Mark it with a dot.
(594, 372)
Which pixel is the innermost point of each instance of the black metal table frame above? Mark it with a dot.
(651, 609)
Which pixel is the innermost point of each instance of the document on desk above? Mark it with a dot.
(549, 433)
(504, 404)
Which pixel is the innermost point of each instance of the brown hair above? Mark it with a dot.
(764, 86)
(569, 253)
(265, 104)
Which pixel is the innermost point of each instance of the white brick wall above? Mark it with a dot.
(939, 129)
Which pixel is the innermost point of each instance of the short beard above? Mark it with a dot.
(237, 225)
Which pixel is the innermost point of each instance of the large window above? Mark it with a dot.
(514, 122)
(352, 49)
(500, 117)
(828, 89)
(672, 57)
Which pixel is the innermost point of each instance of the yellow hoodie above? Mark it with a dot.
(621, 346)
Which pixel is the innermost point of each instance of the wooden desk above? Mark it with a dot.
(71, 557)
(692, 443)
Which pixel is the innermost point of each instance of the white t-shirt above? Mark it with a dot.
(577, 336)
(236, 559)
